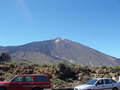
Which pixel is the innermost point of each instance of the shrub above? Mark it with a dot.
(5, 57)
(65, 72)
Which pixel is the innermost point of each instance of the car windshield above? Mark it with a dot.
(91, 82)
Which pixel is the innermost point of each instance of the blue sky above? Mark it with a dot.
(95, 23)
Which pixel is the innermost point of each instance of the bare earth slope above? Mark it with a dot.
(53, 51)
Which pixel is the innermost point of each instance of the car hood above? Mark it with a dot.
(84, 86)
(4, 82)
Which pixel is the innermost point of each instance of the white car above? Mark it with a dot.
(99, 84)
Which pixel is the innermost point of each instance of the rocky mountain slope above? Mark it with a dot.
(56, 50)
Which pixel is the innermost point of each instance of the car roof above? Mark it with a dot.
(101, 78)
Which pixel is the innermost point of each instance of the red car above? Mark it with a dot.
(26, 82)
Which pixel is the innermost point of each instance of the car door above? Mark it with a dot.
(16, 83)
(100, 85)
(28, 82)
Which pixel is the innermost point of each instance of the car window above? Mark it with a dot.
(28, 78)
(18, 79)
(41, 78)
(100, 82)
(113, 81)
(108, 81)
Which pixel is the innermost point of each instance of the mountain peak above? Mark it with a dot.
(58, 39)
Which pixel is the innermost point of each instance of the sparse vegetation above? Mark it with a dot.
(61, 75)
(117, 67)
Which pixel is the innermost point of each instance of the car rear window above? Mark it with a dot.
(28, 78)
(113, 81)
(41, 78)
